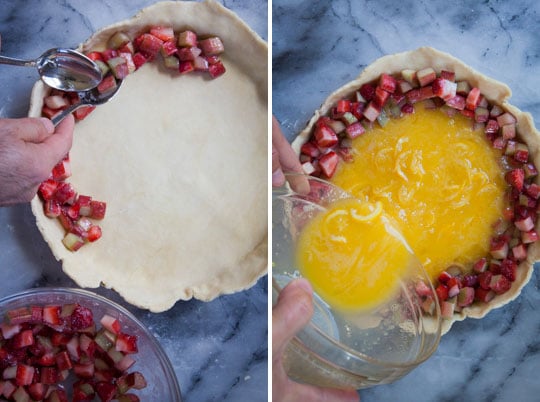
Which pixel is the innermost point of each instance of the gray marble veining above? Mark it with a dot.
(218, 349)
(320, 45)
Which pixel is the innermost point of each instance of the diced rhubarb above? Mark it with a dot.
(457, 102)
(521, 153)
(499, 247)
(426, 76)
(139, 59)
(422, 289)
(72, 241)
(519, 252)
(118, 40)
(506, 118)
(447, 308)
(107, 84)
(25, 375)
(212, 46)
(410, 76)
(465, 296)
(372, 111)
(355, 130)
(56, 102)
(126, 343)
(381, 96)
(187, 39)
(189, 53)
(119, 67)
(508, 131)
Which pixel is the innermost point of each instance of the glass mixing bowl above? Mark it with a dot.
(345, 349)
(151, 359)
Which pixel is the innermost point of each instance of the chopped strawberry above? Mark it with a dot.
(126, 343)
(25, 375)
(381, 96)
(422, 289)
(94, 233)
(325, 136)
(105, 390)
(98, 209)
(149, 44)
(444, 89)
(499, 284)
(442, 292)
(328, 163)
(139, 59)
(473, 98)
(82, 112)
(480, 265)
(216, 69)
(309, 148)
(388, 83)
(47, 189)
(508, 269)
(81, 318)
(484, 295)
(23, 339)
(111, 324)
(515, 178)
(165, 33)
(367, 91)
(51, 315)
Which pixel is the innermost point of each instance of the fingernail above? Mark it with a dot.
(49, 126)
(278, 178)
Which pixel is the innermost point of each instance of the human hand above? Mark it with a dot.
(29, 149)
(284, 159)
(292, 312)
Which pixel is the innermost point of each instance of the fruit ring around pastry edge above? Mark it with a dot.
(496, 93)
(154, 260)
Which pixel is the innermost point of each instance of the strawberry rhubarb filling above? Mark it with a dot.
(447, 166)
(181, 53)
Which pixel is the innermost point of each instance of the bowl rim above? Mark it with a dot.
(278, 193)
(172, 379)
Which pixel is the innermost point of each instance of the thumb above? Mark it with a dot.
(292, 312)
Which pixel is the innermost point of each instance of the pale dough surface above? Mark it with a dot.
(495, 92)
(182, 163)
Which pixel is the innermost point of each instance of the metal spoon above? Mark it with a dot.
(64, 69)
(88, 98)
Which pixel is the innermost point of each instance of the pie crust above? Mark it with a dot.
(181, 162)
(497, 93)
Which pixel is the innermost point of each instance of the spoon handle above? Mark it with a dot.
(62, 115)
(17, 62)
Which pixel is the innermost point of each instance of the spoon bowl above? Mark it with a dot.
(92, 97)
(63, 69)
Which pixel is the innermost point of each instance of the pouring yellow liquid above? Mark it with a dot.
(352, 256)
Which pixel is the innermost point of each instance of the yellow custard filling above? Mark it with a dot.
(352, 256)
(437, 178)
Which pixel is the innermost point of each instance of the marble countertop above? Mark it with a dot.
(320, 45)
(218, 349)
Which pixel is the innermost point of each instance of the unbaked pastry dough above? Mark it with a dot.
(495, 92)
(181, 162)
